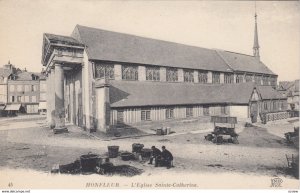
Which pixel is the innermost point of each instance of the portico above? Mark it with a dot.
(61, 58)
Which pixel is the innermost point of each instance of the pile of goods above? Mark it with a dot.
(100, 164)
(164, 131)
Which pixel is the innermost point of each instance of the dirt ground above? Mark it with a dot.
(32, 145)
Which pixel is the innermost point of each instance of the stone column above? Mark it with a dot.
(48, 82)
(52, 98)
(102, 105)
(163, 74)
(59, 97)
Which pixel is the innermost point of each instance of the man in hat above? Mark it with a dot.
(167, 157)
(156, 155)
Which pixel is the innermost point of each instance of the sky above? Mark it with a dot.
(226, 25)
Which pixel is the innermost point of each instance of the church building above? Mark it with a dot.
(100, 80)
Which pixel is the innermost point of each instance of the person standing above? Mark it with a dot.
(167, 157)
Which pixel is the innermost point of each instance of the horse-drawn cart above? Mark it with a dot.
(223, 134)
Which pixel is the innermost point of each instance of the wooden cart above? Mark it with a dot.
(220, 132)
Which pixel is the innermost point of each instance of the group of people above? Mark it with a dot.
(161, 158)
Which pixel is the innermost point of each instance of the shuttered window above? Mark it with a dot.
(169, 113)
(146, 115)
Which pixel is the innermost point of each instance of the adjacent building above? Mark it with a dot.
(101, 79)
(290, 89)
(21, 91)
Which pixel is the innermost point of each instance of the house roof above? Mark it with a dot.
(5, 72)
(132, 93)
(114, 46)
(244, 63)
(24, 75)
(267, 92)
(62, 39)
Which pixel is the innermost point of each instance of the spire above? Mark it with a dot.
(255, 45)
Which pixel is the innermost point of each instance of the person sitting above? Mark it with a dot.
(155, 155)
(167, 157)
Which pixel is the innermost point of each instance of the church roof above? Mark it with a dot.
(114, 46)
(120, 47)
(134, 93)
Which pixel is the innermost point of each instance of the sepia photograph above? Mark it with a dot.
(149, 95)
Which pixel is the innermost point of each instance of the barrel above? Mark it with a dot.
(89, 162)
(113, 151)
(126, 156)
(137, 147)
(146, 153)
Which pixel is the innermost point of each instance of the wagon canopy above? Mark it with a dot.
(220, 119)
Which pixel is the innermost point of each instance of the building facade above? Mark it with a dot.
(23, 90)
(100, 79)
(290, 89)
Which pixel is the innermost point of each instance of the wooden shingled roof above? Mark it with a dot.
(267, 92)
(133, 93)
(119, 47)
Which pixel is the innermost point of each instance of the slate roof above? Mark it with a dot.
(24, 76)
(133, 93)
(5, 72)
(244, 63)
(114, 46)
